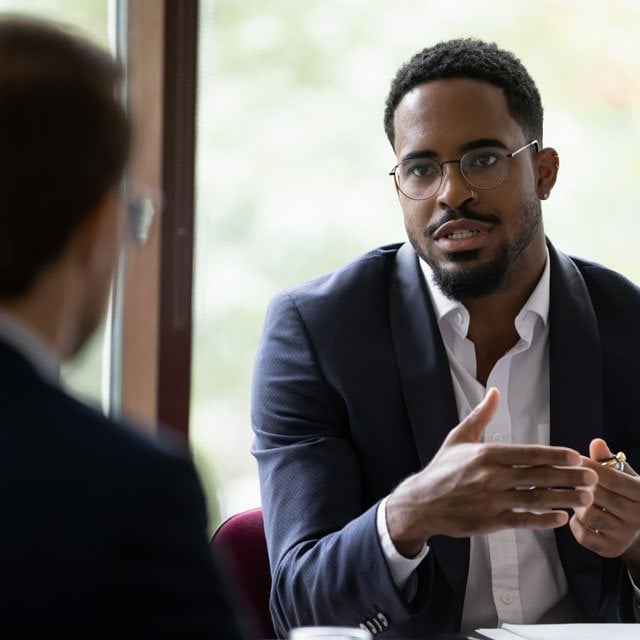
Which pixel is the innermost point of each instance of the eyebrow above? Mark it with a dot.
(467, 146)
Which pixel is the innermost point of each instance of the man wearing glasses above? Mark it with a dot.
(431, 420)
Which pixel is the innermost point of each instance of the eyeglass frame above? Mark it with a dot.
(441, 165)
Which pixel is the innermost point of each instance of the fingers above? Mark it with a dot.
(598, 518)
(545, 487)
(530, 456)
(619, 483)
(605, 542)
(598, 450)
(590, 538)
(473, 426)
(611, 525)
(529, 520)
(622, 507)
(545, 477)
(544, 499)
(624, 483)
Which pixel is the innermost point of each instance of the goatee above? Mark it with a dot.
(477, 281)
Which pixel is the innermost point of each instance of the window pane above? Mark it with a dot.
(89, 15)
(293, 162)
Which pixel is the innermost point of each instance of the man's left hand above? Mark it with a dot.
(611, 525)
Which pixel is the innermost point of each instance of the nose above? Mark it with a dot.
(454, 189)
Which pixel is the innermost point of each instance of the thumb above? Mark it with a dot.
(599, 450)
(473, 426)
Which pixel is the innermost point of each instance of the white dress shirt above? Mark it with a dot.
(514, 575)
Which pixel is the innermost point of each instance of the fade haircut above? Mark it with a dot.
(477, 60)
(64, 142)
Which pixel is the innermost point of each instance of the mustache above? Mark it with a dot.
(460, 213)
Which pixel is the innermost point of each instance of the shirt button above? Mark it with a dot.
(497, 437)
(507, 598)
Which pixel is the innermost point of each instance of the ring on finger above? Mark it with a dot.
(617, 461)
(588, 528)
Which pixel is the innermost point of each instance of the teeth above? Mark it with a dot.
(456, 235)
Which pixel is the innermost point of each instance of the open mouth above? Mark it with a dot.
(462, 234)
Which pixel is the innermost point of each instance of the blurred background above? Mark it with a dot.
(292, 163)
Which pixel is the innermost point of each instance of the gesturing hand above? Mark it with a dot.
(473, 488)
(611, 525)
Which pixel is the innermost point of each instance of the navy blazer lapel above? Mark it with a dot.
(575, 368)
(428, 391)
(575, 358)
(422, 360)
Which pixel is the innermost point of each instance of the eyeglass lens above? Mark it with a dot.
(420, 178)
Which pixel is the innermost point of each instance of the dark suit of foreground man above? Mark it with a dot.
(390, 501)
(102, 532)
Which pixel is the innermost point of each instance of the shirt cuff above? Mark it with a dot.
(400, 567)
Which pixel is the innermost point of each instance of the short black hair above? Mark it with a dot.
(64, 142)
(478, 60)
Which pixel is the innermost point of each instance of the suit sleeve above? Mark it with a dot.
(169, 579)
(326, 561)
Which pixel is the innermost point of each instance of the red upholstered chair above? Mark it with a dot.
(241, 548)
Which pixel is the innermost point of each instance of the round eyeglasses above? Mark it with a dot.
(484, 168)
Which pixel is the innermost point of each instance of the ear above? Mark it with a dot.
(547, 166)
(395, 184)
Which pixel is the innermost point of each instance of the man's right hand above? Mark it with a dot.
(472, 488)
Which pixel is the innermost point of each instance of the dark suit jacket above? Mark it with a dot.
(102, 532)
(352, 393)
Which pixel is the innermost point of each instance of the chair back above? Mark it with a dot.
(240, 546)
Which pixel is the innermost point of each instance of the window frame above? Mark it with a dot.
(150, 354)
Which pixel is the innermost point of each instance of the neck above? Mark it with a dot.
(492, 318)
(47, 310)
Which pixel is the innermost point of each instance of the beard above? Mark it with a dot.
(479, 281)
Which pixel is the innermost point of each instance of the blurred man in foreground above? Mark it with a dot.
(102, 532)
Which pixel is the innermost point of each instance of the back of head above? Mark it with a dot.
(477, 60)
(64, 143)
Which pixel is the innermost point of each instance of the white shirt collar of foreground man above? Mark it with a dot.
(30, 346)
